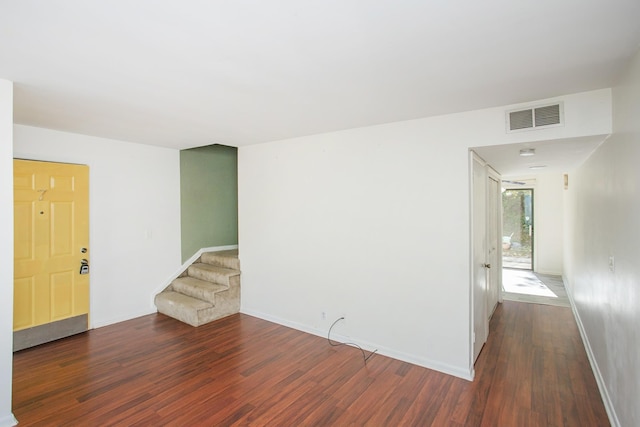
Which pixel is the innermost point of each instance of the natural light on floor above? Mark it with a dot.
(524, 282)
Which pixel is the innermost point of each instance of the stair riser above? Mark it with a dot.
(194, 292)
(220, 261)
(191, 316)
(210, 276)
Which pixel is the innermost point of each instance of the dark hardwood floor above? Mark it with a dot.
(156, 371)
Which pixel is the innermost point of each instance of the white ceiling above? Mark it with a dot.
(557, 156)
(196, 72)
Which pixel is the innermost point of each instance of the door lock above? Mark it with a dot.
(84, 266)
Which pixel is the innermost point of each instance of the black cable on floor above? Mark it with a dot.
(351, 344)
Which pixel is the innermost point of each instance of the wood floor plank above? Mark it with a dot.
(244, 371)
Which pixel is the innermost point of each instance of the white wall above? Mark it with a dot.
(134, 216)
(6, 249)
(374, 223)
(548, 205)
(602, 220)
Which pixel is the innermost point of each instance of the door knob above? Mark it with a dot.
(486, 265)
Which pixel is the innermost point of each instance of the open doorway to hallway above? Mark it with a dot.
(517, 228)
(519, 281)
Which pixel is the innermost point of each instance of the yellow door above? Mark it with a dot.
(51, 240)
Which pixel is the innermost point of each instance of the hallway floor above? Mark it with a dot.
(527, 286)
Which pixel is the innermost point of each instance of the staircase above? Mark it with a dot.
(208, 290)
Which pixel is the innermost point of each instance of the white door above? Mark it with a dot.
(494, 242)
(479, 252)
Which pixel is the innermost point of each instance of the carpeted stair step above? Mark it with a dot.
(213, 274)
(182, 307)
(226, 259)
(208, 290)
(196, 288)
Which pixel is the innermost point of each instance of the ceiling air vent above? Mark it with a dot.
(533, 118)
(520, 119)
(549, 115)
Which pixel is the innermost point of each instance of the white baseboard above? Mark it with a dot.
(608, 404)
(548, 272)
(8, 421)
(186, 265)
(367, 346)
(111, 321)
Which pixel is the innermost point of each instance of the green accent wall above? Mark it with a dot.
(208, 198)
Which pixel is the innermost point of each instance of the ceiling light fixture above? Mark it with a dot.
(528, 152)
(538, 167)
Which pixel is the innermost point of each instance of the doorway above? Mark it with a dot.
(517, 226)
(51, 251)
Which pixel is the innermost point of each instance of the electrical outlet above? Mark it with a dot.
(323, 315)
(612, 264)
